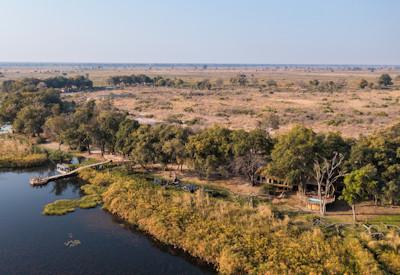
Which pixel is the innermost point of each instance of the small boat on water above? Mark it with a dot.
(63, 168)
(35, 181)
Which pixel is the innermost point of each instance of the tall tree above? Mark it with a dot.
(123, 135)
(30, 120)
(210, 151)
(363, 84)
(385, 80)
(293, 156)
(357, 185)
(251, 151)
(106, 128)
(55, 127)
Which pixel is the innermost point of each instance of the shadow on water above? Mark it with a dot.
(59, 187)
(205, 267)
(32, 243)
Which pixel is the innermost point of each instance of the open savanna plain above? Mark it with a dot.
(350, 110)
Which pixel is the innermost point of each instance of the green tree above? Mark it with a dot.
(332, 143)
(293, 156)
(363, 84)
(106, 128)
(55, 127)
(142, 146)
(30, 120)
(123, 135)
(269, 121)
(81, 131)
(391, 189)
(240, 80)
(382, 151)
(210, 151)
(171, 147)
(251, 151)
(204, 85)
(358, 186)
(385, 80)
(10, 106)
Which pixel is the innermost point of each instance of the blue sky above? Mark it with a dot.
(201, 31)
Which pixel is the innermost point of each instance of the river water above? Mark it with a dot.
(31, 243)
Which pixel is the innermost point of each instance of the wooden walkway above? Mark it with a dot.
(36, 181)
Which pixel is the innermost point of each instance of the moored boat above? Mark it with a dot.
(63, 168)
(37, 181)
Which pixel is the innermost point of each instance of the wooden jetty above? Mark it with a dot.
(37, 181)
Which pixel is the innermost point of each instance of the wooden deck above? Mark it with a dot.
(37, 181)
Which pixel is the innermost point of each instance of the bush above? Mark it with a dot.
(270, 121)
(59, 156)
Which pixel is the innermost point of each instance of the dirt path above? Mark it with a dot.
(95, 154)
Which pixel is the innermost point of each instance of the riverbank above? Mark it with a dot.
(17, 152)
(239, 236)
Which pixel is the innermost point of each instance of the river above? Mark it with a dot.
(31, 243)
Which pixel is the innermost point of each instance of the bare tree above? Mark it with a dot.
(248, 165)
(326, 173)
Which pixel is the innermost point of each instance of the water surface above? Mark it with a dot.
(31, 243)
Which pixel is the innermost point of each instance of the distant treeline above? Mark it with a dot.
(240, 80)
(158, 81)
(204, 84)
(35, 84)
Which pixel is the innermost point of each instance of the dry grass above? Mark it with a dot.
(13, 147)
(350, 111)
(16, 152)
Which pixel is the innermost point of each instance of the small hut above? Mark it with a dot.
(276, 185)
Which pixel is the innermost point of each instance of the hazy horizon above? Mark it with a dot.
(183, 64)
(358, 32)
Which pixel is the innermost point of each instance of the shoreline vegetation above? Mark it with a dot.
(236, 236)
(17, 152)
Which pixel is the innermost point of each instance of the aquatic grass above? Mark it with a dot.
(89, 201)
(62, 207)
